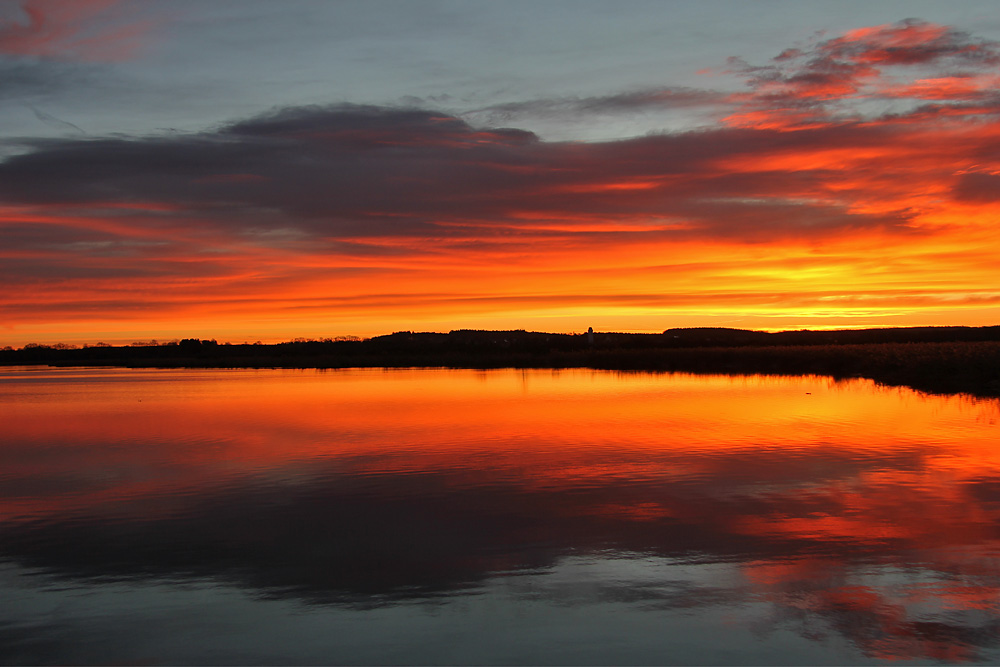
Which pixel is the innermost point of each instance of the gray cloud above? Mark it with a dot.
(355, 171)
(574, 107)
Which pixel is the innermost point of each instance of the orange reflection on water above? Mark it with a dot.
(869, 511)
(557, 426)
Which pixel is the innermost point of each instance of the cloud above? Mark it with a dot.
(978, 187)
(350, 171)
(911, 42)
(574, 107)
(297, 196)
(86, 30)
(832, 78)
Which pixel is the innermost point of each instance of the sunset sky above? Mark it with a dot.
(260, 170)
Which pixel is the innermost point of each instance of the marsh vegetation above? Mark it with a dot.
(933, 359)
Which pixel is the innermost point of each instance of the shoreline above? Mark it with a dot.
(948, 367)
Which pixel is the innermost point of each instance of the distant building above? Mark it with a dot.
(590, 335)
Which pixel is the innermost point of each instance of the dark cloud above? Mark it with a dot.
(353, 171)
(366, 126)
(978, 187)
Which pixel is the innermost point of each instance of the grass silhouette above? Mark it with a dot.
(934, 359)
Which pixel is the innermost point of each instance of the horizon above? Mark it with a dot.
(153, 342)
(239, 171)
(91, 341)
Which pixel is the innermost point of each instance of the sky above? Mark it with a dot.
(257, 170)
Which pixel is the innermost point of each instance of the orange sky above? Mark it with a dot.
(854, 181)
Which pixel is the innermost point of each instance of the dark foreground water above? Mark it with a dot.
(441, 516)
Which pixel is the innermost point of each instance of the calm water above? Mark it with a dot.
(437, 516)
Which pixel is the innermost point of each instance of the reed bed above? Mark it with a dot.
(971, 367)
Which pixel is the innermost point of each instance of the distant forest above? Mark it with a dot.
(935, 359)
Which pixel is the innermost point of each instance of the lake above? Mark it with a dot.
(434, 516)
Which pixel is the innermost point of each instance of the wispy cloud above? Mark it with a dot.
(573, 107)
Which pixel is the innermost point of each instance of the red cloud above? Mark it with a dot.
(910, 42)
(828, 80)
(86, 30)
(946, 88)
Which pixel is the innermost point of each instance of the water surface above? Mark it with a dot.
(502, 517)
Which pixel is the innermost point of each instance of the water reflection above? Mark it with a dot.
(592, 517)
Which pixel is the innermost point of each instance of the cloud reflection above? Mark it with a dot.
(883, 533)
